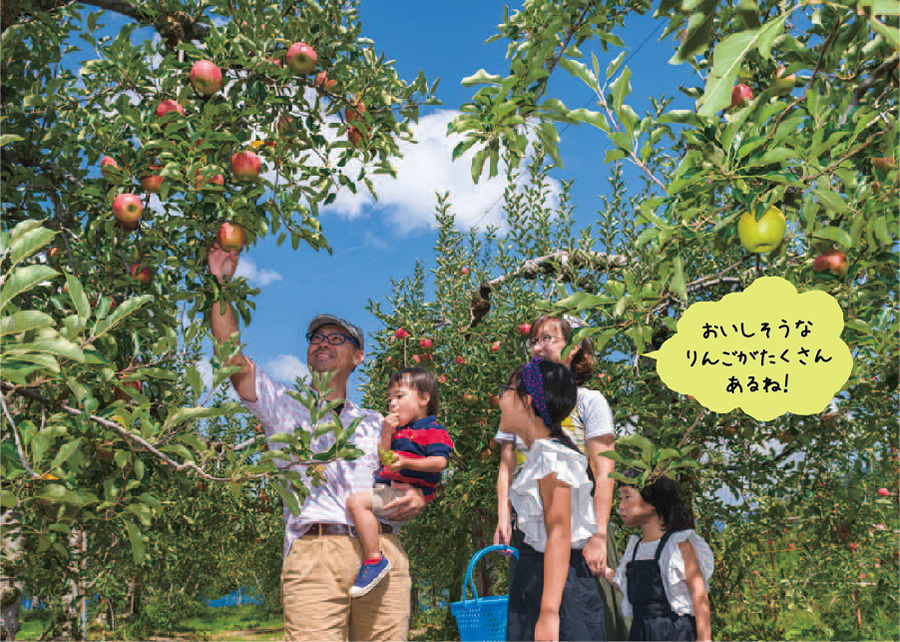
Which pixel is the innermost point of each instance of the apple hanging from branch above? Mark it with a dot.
(301, 58)
(206, 77)
(140, 273)
(741, 95)
(127, 208)
(764, 235)
(833, 261)
(168, 106)
(246, 166)
(231, 237)
(152, 183)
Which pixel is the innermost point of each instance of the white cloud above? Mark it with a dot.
(247, 268)
(408, 202)
(286, 368)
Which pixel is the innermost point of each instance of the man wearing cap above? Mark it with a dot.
(322, 556)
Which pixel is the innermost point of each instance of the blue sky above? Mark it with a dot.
(376, 242)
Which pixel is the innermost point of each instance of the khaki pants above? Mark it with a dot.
(315, 583)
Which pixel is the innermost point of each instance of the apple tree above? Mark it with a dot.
(794, 110)
(124, 155)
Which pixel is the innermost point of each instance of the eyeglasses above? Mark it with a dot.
(542, 340)
(335, 339)
(501, 390)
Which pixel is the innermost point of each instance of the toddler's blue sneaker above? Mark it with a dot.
(369, 576)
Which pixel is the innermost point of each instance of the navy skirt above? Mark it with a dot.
(581, 608)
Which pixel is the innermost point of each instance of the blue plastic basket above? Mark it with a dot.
(481, 619)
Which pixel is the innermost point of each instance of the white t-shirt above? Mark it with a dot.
(326, 503)
(591, 418)
(671, 568)
(548, 457)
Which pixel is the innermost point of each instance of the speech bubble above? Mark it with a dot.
(767, 350)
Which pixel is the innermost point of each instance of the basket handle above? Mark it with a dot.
(477, 556)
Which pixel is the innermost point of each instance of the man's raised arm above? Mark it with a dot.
(223, 321)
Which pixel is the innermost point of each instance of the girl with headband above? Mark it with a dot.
(590, 426)
(553, 594)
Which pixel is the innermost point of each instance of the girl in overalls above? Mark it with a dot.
(664, 572)
(553, 594)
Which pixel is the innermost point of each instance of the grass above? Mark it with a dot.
(233, 622)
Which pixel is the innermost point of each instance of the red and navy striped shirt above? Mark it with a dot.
(422, 438)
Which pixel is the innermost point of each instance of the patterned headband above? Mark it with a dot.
(534, 386)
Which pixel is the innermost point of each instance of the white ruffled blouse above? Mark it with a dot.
(671, 568)
(548, 457)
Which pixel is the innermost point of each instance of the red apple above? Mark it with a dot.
(464, 271)
(494, 400)
(107, 163)
(853, 546)
(401, 333)
(884, 492)
(301, 58)
(167, 106)
(215, 179)
(140, 273)
(426, 344)
(127, 208)
(460, 361)
(275, 61)
(153, 182)
(764, 235)
(231, 237)
(525, 329)
(354, 136)
(741, 95)
(245, 166)
(355, 111)
(53, 253)
(469, 399)
(206, 77)
(324, 82)
(495, 346)
(417, 358)
(791, 547)
(442, 378)
(833, 261)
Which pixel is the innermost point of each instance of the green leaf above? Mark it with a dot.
(29, 243)
(8, 499)
(595, 118)
(24, 279)
(24, 321)
(621, 87)
(615, 64)
(481, 77)
(678, 283)
(122, 312)
(5, 139)
(289, 498)
(79, 298)
(137, 541)
(50, 345)
(727, 59)
(831, 200)
(67, 450)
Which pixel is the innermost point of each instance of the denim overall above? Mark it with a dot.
(654, 618)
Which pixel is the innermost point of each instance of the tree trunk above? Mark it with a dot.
(10, 574)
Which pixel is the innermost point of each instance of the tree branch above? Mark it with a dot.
(130, 437)
(481, 303)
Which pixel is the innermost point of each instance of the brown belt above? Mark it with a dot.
(326, 528)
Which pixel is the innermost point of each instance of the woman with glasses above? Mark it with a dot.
(590, 426)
